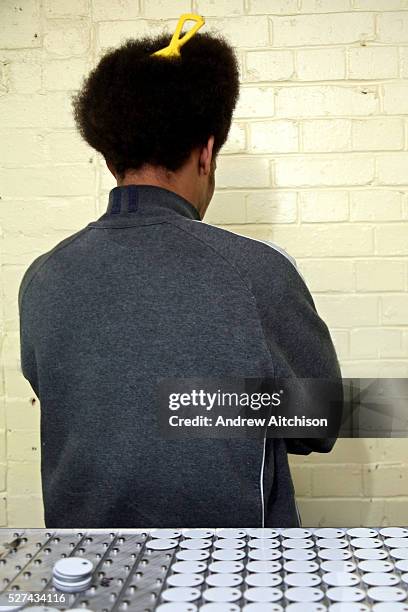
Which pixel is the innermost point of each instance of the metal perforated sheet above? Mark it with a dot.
(178, 570)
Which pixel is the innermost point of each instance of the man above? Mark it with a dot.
(148, 291)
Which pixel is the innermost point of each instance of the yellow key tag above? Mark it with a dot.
(173, 49)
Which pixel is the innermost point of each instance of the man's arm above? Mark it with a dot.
(299, 340)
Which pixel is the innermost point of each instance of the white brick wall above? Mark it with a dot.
(316, 160)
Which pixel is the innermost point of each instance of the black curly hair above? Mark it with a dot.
(136, 109)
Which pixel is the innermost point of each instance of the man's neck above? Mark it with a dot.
(181, 189)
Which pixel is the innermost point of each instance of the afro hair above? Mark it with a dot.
(135, 108)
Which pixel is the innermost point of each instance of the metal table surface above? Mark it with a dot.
(212, 570)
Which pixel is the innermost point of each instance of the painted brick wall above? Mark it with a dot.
(317, 161)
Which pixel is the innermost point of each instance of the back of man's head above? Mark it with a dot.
(139, 109)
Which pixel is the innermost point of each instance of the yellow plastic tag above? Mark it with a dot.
(173, 49)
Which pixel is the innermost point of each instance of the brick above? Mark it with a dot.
(23, 478)
(375, 205)
(65, 74)
(340, 480)
(380, 275)
(23, 445)
(374, 369)
(341, 343)
(380, 5)
(2, 407)
(22, 111)
(20, 24)
(269, 65)
(17, 511)
(271, 206)
(103, 10)
(226, 208)
(377, 134)
(47, 181)
(67, 146)
(395, 510)
(114, 33)
(23, 414)
(236, 141)
(325, 64)
(250, 31)
(392, 168)
(12, 276)
(162, 9)
(392, 27)
(58, 108)
(392, 239)
(16, 385)
(46, 215)
(278, 7)
(255, 102)
(279, 136)
(318, 240)
(61, 8)
(67, 38)
(326, 135)
(339, 28)
(394, 309)
(322, 512)
(302, 480)
(3, 512)
(3, 456)
(395, 98)
(2, 477)
(361, 450)
(326, 100)
(21, 250)
(403, 51)
(334, 275)
(372, 62)
(323, 171)
(385, 480)
(220, 8)
(324, 6)
(376, 343)
(28, 147)
(323, 206)
(235, 172)
(392, 450)
(24, 77)
(348, 310)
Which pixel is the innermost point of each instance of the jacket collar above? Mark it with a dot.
(129, 204)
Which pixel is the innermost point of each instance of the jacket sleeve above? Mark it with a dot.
(298, 339)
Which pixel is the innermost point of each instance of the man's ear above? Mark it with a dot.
(110, 168)
(206, 157)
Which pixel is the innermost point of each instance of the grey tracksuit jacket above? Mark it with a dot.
(145, 292)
